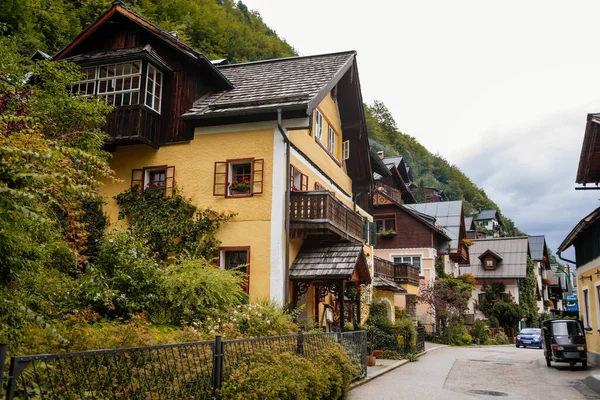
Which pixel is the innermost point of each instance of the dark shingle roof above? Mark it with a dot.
(485, 215)
(536, 247)
(385, 283)
(329, 262)
(119, 54)
(281, 83)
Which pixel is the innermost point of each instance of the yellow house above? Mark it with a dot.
(281, 143)
(585, 238)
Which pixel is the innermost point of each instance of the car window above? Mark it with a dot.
(531, 331)
(567, 328)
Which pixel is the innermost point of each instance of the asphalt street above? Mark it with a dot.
(492, 372)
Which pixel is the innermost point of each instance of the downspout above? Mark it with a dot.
(286, 273)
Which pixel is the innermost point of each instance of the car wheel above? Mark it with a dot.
(584, 364)
(571, 365)
(517, 345)
(548, 362)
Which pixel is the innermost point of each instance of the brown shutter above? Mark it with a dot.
(220, 180)
(303, 182)
(169, 181)
(137, 178)
(258, 167)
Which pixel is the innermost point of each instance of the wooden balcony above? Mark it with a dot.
(461, 256)
(400, 273)
(320, 213)
(134, 124)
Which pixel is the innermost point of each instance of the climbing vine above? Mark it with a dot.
(172, 225)
(527, 297)
(439, 267)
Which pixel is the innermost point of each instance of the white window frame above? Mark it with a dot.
(586, 306)
(230, 174)
(345, 150)
(87, 81)
(114, 78)
(331, 141)
(157, 79)
(412, 256)
(148, 171)
(318, 125)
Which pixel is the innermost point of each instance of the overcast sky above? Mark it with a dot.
(501, 90)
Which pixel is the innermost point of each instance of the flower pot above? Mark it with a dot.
(377, 353)
(371, 361)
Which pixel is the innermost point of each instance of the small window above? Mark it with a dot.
(238, 178)
(318, 125)
(119, 83)
(345, 150)
(157, 178)
(237, 259)
(87, 86)
(415, 261)
(154, 177)
(331, 142)
(489, 263)
(586, 308)
(153, 88)
(298, 181)
(385, 223)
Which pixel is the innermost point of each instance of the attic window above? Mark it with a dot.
(490, 263)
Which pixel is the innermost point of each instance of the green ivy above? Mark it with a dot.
(172, 225)
(527, 295)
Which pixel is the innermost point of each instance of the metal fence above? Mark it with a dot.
(172, 371)
(420, 339)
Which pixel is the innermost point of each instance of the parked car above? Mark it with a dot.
(564, 341)
(529, 337)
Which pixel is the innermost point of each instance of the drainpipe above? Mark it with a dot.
(286, 273)
(568, 274)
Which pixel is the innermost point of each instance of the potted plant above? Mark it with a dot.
(372, 336)
(546, 281)
(468, 242)
(377, 353)
(390, 233)
(548, 303)
(241, 186)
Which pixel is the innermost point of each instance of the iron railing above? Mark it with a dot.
(172, 371)
(420, 339)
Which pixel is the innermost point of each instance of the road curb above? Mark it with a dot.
(392, 367)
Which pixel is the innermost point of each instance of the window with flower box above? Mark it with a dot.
(162, 176)
(238, 259)
(298, 181)
(238, 178)
(385, 223)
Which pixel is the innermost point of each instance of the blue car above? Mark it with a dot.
(529, 337)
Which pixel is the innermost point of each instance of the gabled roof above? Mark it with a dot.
(401, 165)
(118, 8)
(492, 253)
(586, 222)
(589, 160)
(121, 55)
(537, 247)
(447, 214)
(513, 250)
(379, 168)
(469, 224)
(336, 261)
(286, 83)
(483, 215)
(384, 283)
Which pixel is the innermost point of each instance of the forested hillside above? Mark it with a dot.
(429, 169)
(217, 28)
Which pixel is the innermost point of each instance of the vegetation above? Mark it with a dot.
(459, 335)
(527, 295)
(499, 306)
(500, 338)
(382, 334)
(217, 28)
(430, 170)
(480, 331)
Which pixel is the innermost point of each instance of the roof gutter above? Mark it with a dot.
(564, 259)
(286, 272)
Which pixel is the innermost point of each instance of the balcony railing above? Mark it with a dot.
(401, 273)
(319, 212)
(134, 124)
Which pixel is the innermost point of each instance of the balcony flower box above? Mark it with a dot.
(387, 234)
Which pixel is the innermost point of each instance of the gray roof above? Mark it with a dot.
(514, 253)
(485, 215)
(468, 223)
(393, 160)
(384, 283)
(280, 83)
(536, 247)
(336, 261)
(447, 214)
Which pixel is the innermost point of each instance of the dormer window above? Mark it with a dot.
(120, 84)
(490, 263)
(490, 260)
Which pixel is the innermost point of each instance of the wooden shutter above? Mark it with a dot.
(220, 180)
(303, 182)
(345, 150)
(137, 179)
(258, 169)
(169, 181)
(373, 236)
(365, 230)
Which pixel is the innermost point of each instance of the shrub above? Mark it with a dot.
(384, 337)
(273, 375)
(501, 338)
(480, 331)
(405, 328)
(493, 322)
(194, 289)
(459, 335)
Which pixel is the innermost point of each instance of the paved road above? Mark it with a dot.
(494, 372)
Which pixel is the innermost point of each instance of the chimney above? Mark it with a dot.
(381, 155)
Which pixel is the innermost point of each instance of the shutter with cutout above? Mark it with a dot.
(137, 179)
(169, 181)
(220, 179)
(303, 182)
(258, 171)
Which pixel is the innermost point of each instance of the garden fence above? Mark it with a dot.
(420, 339)
(172, 371)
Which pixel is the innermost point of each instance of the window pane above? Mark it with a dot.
(126, 99)
(134, 98)
(407, 260)
(149, 100)
(235, 259)
(416, 261)
(391, 224)
(135, 67)
(397, 260)
(379, 223)
(118, 100)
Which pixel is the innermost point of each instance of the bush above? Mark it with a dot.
(459, 335)
(195, 289)
(384, 336)
(501, 338)
(480, 331)
(273, 375)
(405, 328)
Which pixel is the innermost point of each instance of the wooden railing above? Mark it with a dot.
(401, 273)
(313, 210)
(134, 123)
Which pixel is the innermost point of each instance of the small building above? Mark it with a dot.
(542, 270)
(490, 221)
(496, 260)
